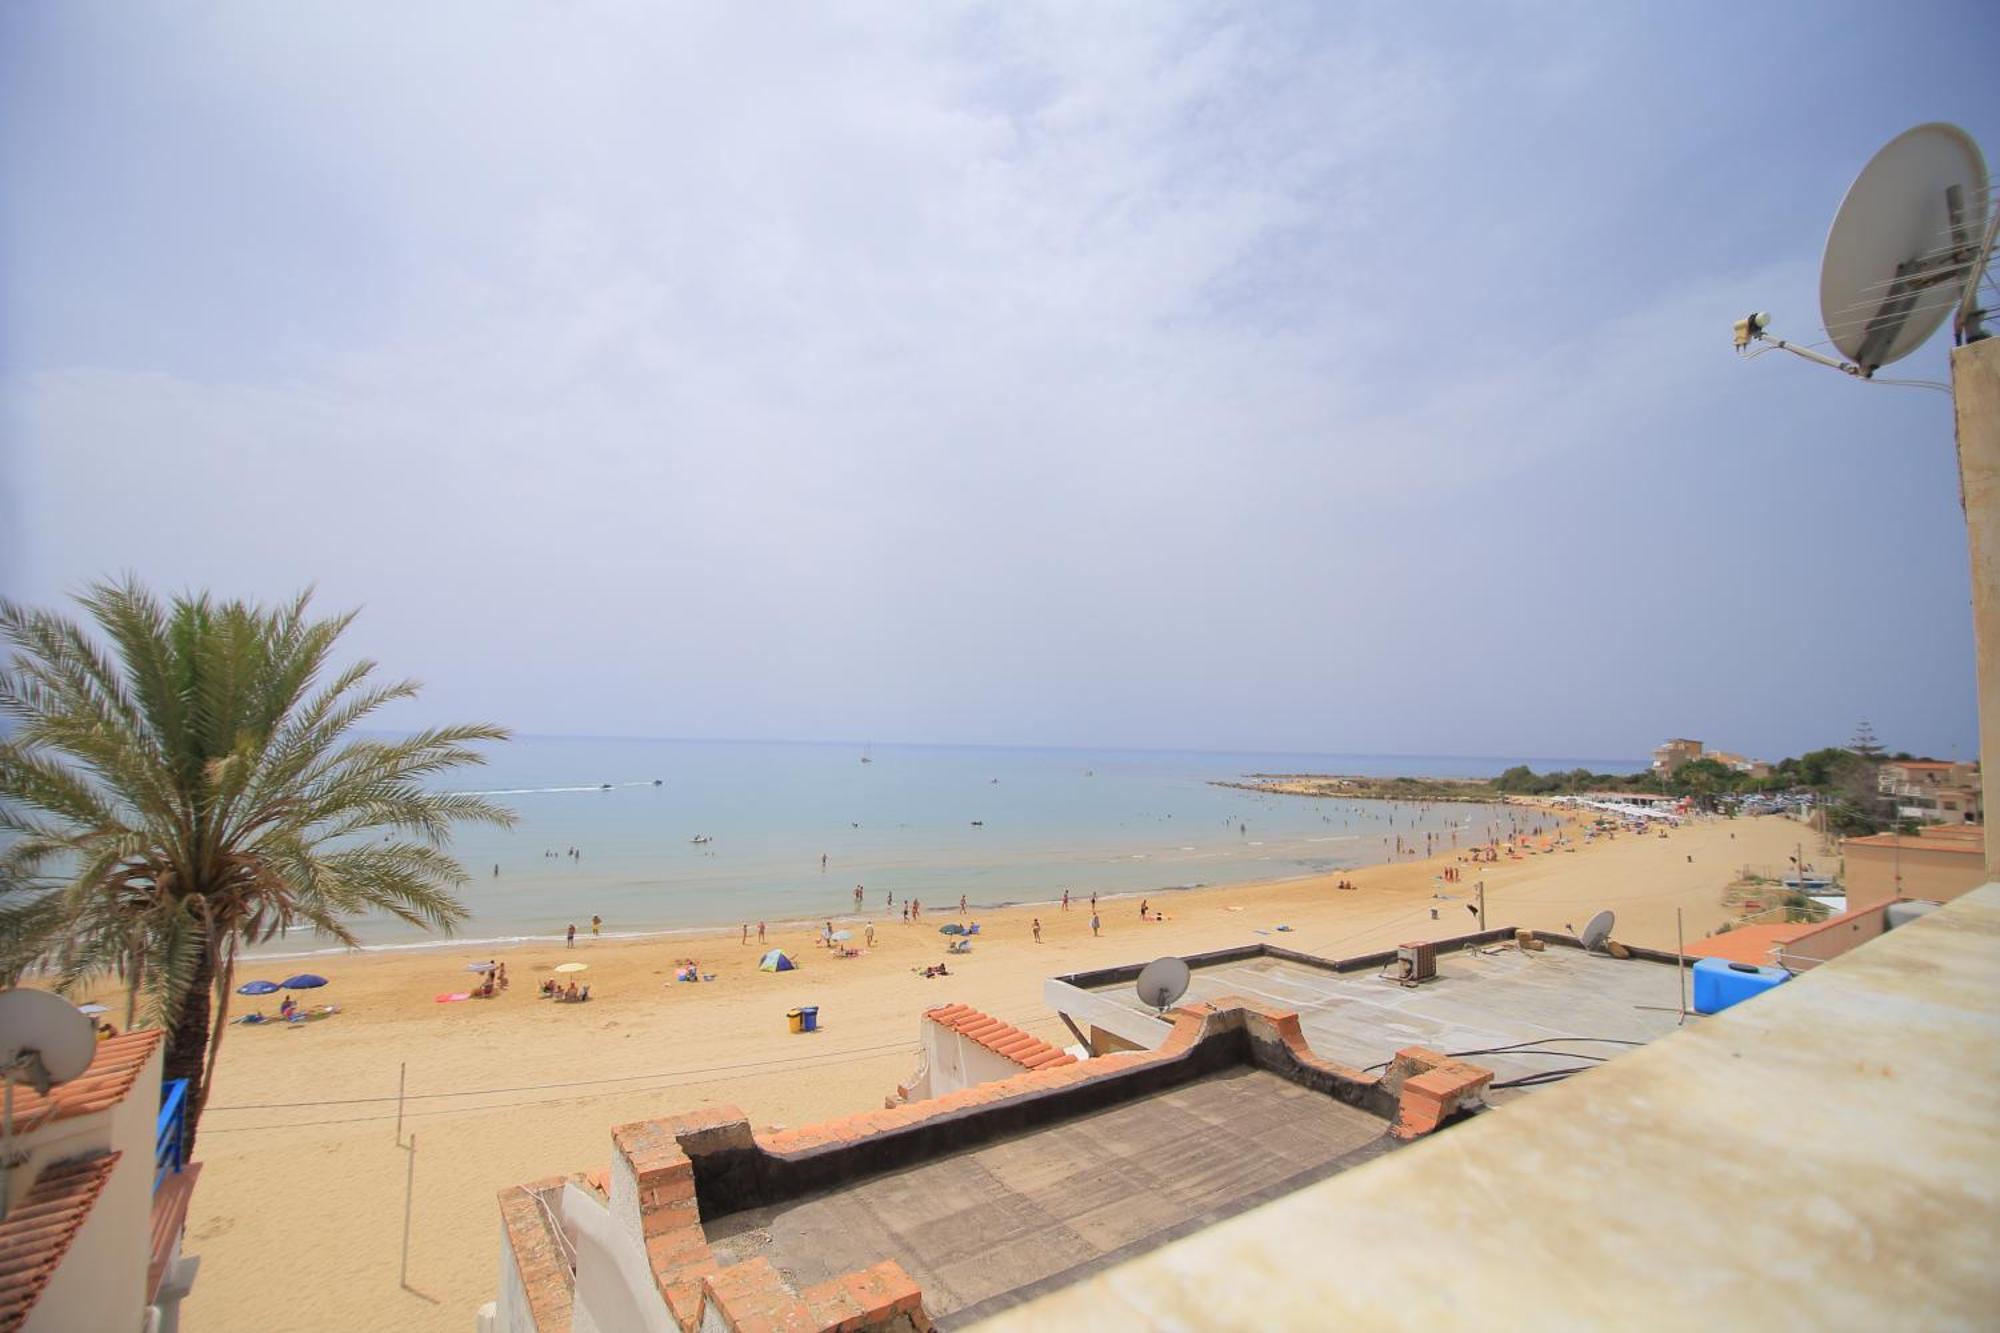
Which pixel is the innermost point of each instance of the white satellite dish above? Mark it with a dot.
(44, 1039)
(1596, 931)
(1163, 981)
(1909, 236)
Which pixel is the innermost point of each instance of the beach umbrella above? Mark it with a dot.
(479, 967)
(572, 967)
(257, 988)
(92, 1009)
(303, 981)
(953, 929)
(841, 935)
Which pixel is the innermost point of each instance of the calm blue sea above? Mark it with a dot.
(998, 825)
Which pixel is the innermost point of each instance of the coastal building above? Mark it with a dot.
(1670, 756)
(1523, 1009)
(1931, 790)
(961, 1205)
(1512, 1214)
(96, 1199)
(1799, 946)
(1941, 862)
(963, 1048)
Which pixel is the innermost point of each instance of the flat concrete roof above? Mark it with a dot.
(1479, 1000)
(988, 1228)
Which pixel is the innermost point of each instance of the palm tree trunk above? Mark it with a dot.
(225, 978)
(187, 1042)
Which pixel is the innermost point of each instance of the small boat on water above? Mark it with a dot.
(700, 838)
(604, 786)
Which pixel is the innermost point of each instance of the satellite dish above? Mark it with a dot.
(1596, 931)
(1908, 237)
(1163, 981)
(44, 1040)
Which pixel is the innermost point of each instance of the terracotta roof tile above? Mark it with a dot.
(1748, 944)
(113, 1070)
(1003, 1039)
(39, 1229)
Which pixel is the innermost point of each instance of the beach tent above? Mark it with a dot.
(776, 961)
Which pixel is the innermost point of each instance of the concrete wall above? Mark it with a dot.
(1832, 940)
(1927, 872)
(1975, 380)
(101, 1282)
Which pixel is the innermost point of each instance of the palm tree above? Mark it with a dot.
(196, 787)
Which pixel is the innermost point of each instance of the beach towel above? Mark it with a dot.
(449, 996)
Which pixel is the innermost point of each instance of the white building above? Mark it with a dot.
(95, 1205)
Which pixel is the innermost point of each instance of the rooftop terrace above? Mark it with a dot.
(1487, 995)
(983, 1229)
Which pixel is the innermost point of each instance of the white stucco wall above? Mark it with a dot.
(953, 1061)
(101, 1282)
(614, 1282)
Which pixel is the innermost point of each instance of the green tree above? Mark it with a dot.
(195, 787)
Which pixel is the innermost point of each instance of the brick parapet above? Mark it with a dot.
(538, 1258)
(666, 1173)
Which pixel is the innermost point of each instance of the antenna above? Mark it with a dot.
(1163, 981)
(1596, 931)
(44, 1040)
(1908, 247)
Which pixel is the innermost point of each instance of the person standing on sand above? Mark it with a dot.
(961, 904)
(1144, 909)
(760, 932)
(596, 925)
(906, 913)
(1065, 900)
(746, 932)
(1038, 930)
(869, 934)
(571, 943)
(1093, 920)
(1093, 902)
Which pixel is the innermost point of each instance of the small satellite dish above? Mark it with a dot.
(1596, 931)
(44, 1040)
(1905, 242)
(1163, 981)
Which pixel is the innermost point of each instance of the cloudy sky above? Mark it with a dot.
(1264, 376)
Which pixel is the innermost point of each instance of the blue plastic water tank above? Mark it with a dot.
(810, 1014)
(1719, 983)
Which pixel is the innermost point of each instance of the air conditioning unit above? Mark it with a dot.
(1419, 961)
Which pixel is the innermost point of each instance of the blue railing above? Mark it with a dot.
(169, 1130)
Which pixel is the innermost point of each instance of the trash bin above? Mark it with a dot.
(811, 1015)
(794, 1020)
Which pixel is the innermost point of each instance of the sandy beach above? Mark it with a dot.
(299, 1214)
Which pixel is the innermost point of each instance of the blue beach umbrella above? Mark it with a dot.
(257, 988)
(304, 981)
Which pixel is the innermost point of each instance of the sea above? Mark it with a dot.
(660, 836)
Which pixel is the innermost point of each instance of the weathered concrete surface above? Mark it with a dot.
(1824, 1156)
(1975, 378)
(1478, 1001)
(1033, 1209)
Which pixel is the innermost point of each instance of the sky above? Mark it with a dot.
(1289, 377)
